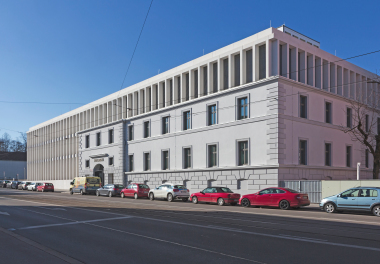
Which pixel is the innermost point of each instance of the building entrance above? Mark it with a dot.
(99, 172)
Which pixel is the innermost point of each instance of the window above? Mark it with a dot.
(349, 117)
(378, 126)
(327, 154)
(212, 114)
(243, 108)
(366, 123)
(351, 193)
(146, 129)
(110, 136)
(87, 141)
(243, 153)
(187, 158)
(130, 161)
(110, 161)
(348, 156)
(212, 155)
(303, 152)
(368, 193)
(165, 125)
(303, 106)
(87, 163)
(366, 158)
(165, 160)
(146, 161)
(98, 139)
(130, 132)
(186, 120)
(328, 113)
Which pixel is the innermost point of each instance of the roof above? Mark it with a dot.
(14, 156)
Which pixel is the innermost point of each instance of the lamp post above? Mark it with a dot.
(358, 171)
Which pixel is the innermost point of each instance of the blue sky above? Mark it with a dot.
(78, 51)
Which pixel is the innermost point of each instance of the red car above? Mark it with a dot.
(283, 198)
(219, 195)
(45, 187)
(136, 190)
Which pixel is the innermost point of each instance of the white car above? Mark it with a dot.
(170, 191)
(33, 186)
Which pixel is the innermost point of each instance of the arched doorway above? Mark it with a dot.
(98, 171)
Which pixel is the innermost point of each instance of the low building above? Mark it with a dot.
(13, 165)
(265, 109)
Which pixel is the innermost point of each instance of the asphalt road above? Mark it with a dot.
(63, 228)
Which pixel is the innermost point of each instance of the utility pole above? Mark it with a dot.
(358, 171)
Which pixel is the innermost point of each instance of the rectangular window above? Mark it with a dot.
(303, 106)
(87, 163)
(146, 161)
(205, 87)
(262, 62)
(303, 152)
(327, 154)
(87, 141)
(110, 161)
(186, 120)
(212, 114)
(348, 156)
(349, 117)
(243, 153)
(378, 126)
(366, 123)
(146, 129)
(98, 139)
(242, 108)
(187, 158)
(110, 136)
(130, 133)
(249, 66)
(165, 160)
(328, 113)
(237, 69)
(196, 84)
(171, 92)
(215, 77)
(165, 125)
(187, 87)
(212, 155)
(130, 161)
(366, 158)
(225, 74)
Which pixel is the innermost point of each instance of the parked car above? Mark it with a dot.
(358, 199)
(4, 183)
(23, 185)
(284, 198)
(84, 185)
(45, 187)
(13, 184)
(109, 190)
(33, 186)
(136, 190)
(219, 195)
(170, 192)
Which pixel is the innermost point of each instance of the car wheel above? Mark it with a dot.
(170, 197)
(284, 205)
(97, 193)
(185, 199)
(110, 194)
(329, 208)
(194, 199)
(376, 210)
(43, 190)
(71, 191)
(221, 201)
(136, 196)
(233, 204)
(122, 195)
(151, 196)
(81, 192)
(245, 202)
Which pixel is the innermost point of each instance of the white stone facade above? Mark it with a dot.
(272, 69)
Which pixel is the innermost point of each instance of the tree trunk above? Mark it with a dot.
(376, 169)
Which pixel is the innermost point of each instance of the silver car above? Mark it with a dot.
(170, 192)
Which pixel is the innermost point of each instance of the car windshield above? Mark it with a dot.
(143, 186)
(226, 190)
(93, 180)
(291, 190)
(48, 184)
(179, 187)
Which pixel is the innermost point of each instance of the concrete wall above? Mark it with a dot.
(11, 168)
(335, 187)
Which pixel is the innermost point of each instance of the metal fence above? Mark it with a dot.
(312, 188)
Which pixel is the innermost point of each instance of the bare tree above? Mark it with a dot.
(7, 144)
(363, 125)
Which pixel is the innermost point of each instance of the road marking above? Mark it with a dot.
(4, 213)
(74, 223)
(53, 209)
(224, 228)
(304, 237)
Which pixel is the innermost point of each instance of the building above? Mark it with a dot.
(13, 165)
(267, 108)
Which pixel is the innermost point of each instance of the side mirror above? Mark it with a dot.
(202, 192)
